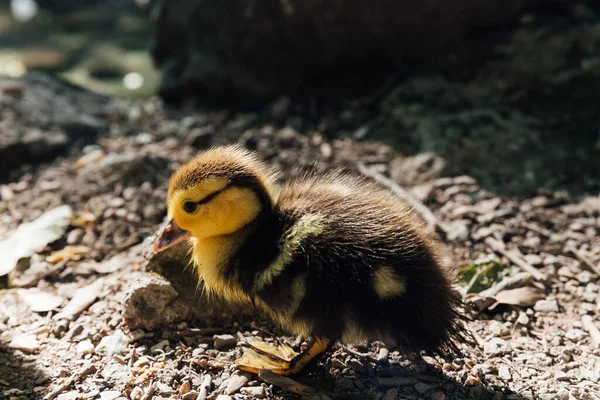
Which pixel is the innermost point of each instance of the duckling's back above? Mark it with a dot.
(354, 264)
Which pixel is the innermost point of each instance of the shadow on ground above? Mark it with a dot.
(20, 375)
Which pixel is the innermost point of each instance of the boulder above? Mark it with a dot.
(260, 48)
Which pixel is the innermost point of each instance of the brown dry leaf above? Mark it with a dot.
(209, 363)
(141, 375)
(84, 219)
(67, 254)
(525, 296)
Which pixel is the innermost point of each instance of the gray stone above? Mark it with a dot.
(546, 306)
(256, 392)
(504, 373)
(224, 341)
(236, 382)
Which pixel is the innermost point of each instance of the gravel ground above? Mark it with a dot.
(527, 262)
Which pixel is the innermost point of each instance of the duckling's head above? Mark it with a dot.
(217, 193)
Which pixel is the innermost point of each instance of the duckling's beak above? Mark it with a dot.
(169, 236)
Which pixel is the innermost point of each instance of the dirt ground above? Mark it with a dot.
(506, 159)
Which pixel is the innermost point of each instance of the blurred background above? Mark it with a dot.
(504, 91)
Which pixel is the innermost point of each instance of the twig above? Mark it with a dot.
(428, 216)
(205, 387)
(86, 370)
(536, 229)
(498, 247)
(478, 339)
(359, 354)
(199, 331)
(584, 260)
(150, 392)
(590, 326)
(290, 385)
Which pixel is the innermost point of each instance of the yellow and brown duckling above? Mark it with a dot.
(328, 257)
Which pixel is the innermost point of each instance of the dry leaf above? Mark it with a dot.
(525, 296)
(32, 237)
(67, 254)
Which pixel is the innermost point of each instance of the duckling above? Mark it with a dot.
(330, 257)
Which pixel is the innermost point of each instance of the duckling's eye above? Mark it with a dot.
(190, 207)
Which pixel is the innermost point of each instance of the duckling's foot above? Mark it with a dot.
(281, 360)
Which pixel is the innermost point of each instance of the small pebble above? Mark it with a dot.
(423, 387)
(504, 373)
(75, 236)
(236, 382)
(6, 193)
(159, 347)
(185, 387)
(257, 392)
(472, 381)
(110, 395)
(523, 319)
(85, 347)
(437, 395)
(356, 365)
(497, 346)
(546, 306)
(136, 393)
(142, 362)
(391, 394)
(224, 397)
(382, 356)
(223, 341)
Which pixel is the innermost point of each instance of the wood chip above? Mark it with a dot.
(84, 371)
(205, 387)
(585, 260)
(83, 298)
(592, 328)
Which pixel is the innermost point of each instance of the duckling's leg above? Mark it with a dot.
(263, 359)
(317, 347)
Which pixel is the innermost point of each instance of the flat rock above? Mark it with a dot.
(224, 341)
(27, 343)
(112, 344)
(497, 346)
(546, 306)
(257, 392)
(85, 347)
(236, 382)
